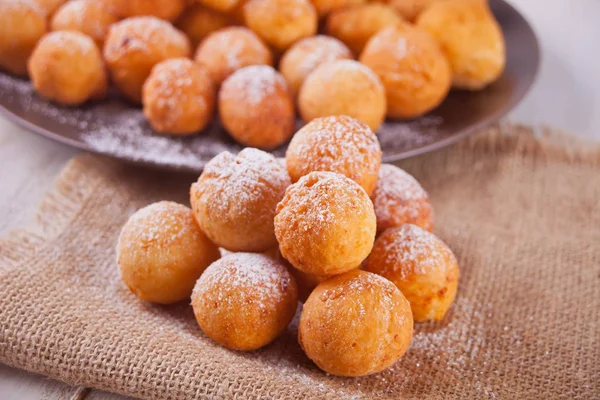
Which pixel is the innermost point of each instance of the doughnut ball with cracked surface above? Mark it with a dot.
(355, 324)
(162, 252)
(343, 87)
(198, 21)
(400, 199)
(22, 24)
(414, 70)
(324, 7)
(421, 265)
(256, 107)
(235, 199)
(220, 5)
(337, 144)
(230, 49)
(244, 300)
(356, 25)
(281, 23)
(135, 45)
(87, 16)
(164, 9)
(67, 67)
(325, 224)
(305, 56)
(179, 97)
(470, 37)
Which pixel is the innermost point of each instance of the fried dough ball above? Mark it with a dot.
(244, 301)
(281, 23)
(162, 252)
(135, 45)
(324, 7)
(470, 37)
(355, 324)
(412, 67)
(164, 9)
(22, 24)
(179, 97)
(338, 144)
(400, 199)
(197, 22)
(422, 267)
(306, 55)
(220, 5)
(49, 7)
(256, 107)
(86, 16)
(356, 25)
(229, 49)
(67, 67)
(235, 199)
(325, 224)
(343, 87)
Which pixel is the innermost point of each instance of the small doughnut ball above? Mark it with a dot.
(162, 252)
(179, 97)
(67, 67)
(86, 16)
(399, 199)
(422, 267)
(49, 7)
(325, 224)
(410, 9)
(22, 24)
(412, 67)
(220, 5)
(235, 199)
(306, 55)
(229, 49)
(338, 144)
(244, 301)
(343, 87)
(324, 7)
(164, 9)
(355, 324)
(281, 23)
(135, 45)
(256, 107)
(356, 25)
(197, 22)
(470, 37)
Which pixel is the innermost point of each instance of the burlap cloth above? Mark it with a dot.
(520, 211)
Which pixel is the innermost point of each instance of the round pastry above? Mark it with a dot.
(343, 87)
(422, 267)
(220, 5)
(355, 25)
(355, 324)
(135, 45)
(414, 71)
(164, 9)
(470, 37)
(67, 67)
(410, 9)
(306, 55)
(178, 97)
(235, 199)
(229, 49)
(244, 301)
(22, 24)
(338, 144)
(49, 7)
(324, 7)
(162, 252)
(325, 224)
(399, 199)
(87, 16)
(256, 107)
(197, 22)
(281, 23)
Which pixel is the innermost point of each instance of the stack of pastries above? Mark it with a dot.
(329, 226)
(185, 61)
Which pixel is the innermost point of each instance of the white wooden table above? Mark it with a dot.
(566, 96)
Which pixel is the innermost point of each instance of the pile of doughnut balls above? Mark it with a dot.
(329, 226)
(184, 60)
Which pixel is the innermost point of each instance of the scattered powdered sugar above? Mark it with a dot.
(253, 84)
(350, 69)
(18, 5)
(69, 42)
(315, 51)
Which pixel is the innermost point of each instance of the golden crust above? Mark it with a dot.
(49, 7)
(164, 9)
(324, 7)
(221, 5)
(410, 9)
(420, 265)
(197, 22)
(355, 324)
(87, 16)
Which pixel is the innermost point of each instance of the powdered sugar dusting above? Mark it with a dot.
(329, 71)
(254, 84)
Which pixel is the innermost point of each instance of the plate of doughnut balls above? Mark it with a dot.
(329, 226)
(173, 83)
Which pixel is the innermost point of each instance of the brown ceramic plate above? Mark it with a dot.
(115, 128)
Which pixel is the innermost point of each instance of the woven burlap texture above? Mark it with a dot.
(520, 211)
